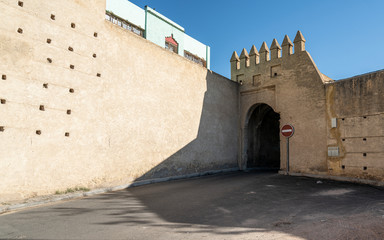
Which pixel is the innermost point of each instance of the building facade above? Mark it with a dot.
(158, 29)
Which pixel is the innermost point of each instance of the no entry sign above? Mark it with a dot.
(287, 130)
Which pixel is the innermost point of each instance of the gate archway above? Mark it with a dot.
(262, 139)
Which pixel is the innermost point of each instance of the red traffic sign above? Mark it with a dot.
(287, 130)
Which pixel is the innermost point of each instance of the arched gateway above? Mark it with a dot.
(262, 140)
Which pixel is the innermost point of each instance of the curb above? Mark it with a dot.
(72, 196)
(336, 178)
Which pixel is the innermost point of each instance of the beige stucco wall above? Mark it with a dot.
(150, 114)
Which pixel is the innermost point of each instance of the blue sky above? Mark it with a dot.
(344, 37)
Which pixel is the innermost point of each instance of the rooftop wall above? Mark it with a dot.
(127, 11)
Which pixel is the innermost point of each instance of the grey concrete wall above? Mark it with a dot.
(137, 110)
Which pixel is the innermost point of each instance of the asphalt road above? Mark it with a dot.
(229, 206)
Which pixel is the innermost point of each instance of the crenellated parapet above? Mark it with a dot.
(256, 59)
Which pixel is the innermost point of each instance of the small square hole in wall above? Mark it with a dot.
(45, 85)
(342, 119)
(38, 132)
(49, 60)
(67, 134)
(19, 30)
(365, 117)
(49, 40)
(95, 34)
(70, 48)
(4, 77)
(3, 101)
(20, 3)
(73, 25)
(42, 108)
(343, 139)
(1, 128)
(72, 66)
(364, 154)
(275, 70)
(364, 168)
(53, 17)
(69, 111)
(343, 166)
(98, 75)
(94, 55)
(364, 139)
(71, 90)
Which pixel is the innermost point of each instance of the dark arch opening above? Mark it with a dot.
(263, 139)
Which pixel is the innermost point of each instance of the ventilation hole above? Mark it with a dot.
(1, 128)
(343, 139)
(49, 60)
(53, 17)
(45, 85)
(73, 25)
(72, 66)
(364, 139)
(275, 74)
(67, 134)
(4, 77)
(38, 132)
(69, 111)
(365, 117)
(20, 3)
(70, 48)
(364, 168)
(364, 154)
(71, 90)
(20, 30)
(342, 119)
(95, 34)
(98, 75)
(94, 55)
(42, 108)
(49, 40)
(343, 166)
(3, 101)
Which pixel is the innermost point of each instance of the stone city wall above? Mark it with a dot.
(356, 106)
(87, 103)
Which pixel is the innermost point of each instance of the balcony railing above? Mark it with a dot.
(124, 23)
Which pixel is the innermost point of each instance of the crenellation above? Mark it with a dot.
(299, 42)
(244, 59)
(287, 46)
(264, 53)
(235, 65)
(275, 50)
(254, 56)
(256, 60)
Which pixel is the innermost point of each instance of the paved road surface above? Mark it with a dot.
(230, 206)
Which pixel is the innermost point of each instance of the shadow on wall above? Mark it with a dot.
(216, 145)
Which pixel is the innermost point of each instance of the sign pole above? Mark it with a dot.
(287, 131)
(287, 156)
